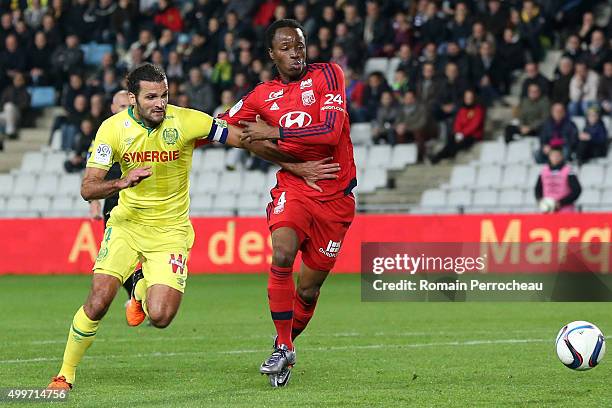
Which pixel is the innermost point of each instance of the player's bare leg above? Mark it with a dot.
(84, 327)
(162, 304)
(281, 289)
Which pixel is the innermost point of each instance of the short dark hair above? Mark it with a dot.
(286, 22)
(144, 72)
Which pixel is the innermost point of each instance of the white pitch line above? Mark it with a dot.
(330, 348)
(347, 334)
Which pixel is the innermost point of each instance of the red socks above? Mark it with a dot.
(281, 290)
(302, 313)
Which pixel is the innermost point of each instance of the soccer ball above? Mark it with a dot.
(580, 345)
(547, 204)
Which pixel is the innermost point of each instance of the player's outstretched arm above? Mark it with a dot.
(310, 171)
(94, 187)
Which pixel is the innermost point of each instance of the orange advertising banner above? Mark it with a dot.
(242, 245)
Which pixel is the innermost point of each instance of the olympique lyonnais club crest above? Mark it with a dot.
(308, 97)
(178, 263)
(170, 136)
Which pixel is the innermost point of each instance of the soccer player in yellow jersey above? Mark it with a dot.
(153, 142)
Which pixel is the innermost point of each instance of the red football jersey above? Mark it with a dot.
(313, 120)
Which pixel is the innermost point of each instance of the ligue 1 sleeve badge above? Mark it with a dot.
(170, 136)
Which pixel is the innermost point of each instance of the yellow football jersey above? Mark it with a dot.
(163, 198)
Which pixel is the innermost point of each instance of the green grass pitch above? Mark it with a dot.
(352, 354)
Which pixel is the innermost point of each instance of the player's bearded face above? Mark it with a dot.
(151, 102)
(289, 52)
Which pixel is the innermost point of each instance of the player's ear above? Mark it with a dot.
(132, 98)
(271, 54)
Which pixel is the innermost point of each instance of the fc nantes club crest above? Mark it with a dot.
(170, 136)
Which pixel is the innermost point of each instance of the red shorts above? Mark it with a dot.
(320, 225)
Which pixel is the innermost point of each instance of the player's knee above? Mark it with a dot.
(160, 317)
(283, 256)
(309, 294)
(96, 308)
(162, 322)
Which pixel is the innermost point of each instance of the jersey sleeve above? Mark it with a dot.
(244, 109)
(201, 126)
(332, 113)
(105, 148)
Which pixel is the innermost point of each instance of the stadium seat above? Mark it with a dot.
(391, 68)
(533, 174)
(485, 198)
(379, 156)
(591, 175)
(47, 185)
(6, 185)
(511, 198)
(197, 157)
(514, 176)
(607, 123)
(590, 197)
(193, 180)
(489, 176)
(230, 182)
(62, 206)
(378, 64)
(519, 152)
(201, 203)
(205, 183)
(81, 207)
(224, 204)
(360, 155)
(459, 198)
(492, 152)
(403, 155)
(463, 176)
(70, 185)
(40, 205)
(594, 208)
(270, 181)
(33, 162)
(213, 160)
(54, 162)
(253, 182)
(41, 96)
(529, 200)
(361, 134)
(16, 207)
(606, 197)
(433, 198)
(373, 179)
(94, 52)
(25, 185)
(250, 202)
(579, 121)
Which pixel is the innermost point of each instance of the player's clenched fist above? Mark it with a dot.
(135, 176)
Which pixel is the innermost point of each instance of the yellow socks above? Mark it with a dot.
(140, 293)
(81, 335)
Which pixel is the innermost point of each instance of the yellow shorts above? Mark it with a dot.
(162, 251)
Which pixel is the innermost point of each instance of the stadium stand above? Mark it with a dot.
(89, 58)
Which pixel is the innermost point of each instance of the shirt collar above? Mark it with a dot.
(141, 123)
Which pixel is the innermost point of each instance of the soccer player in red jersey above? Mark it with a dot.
(303, 110)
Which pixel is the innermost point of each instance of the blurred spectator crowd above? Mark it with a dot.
(453, 60)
